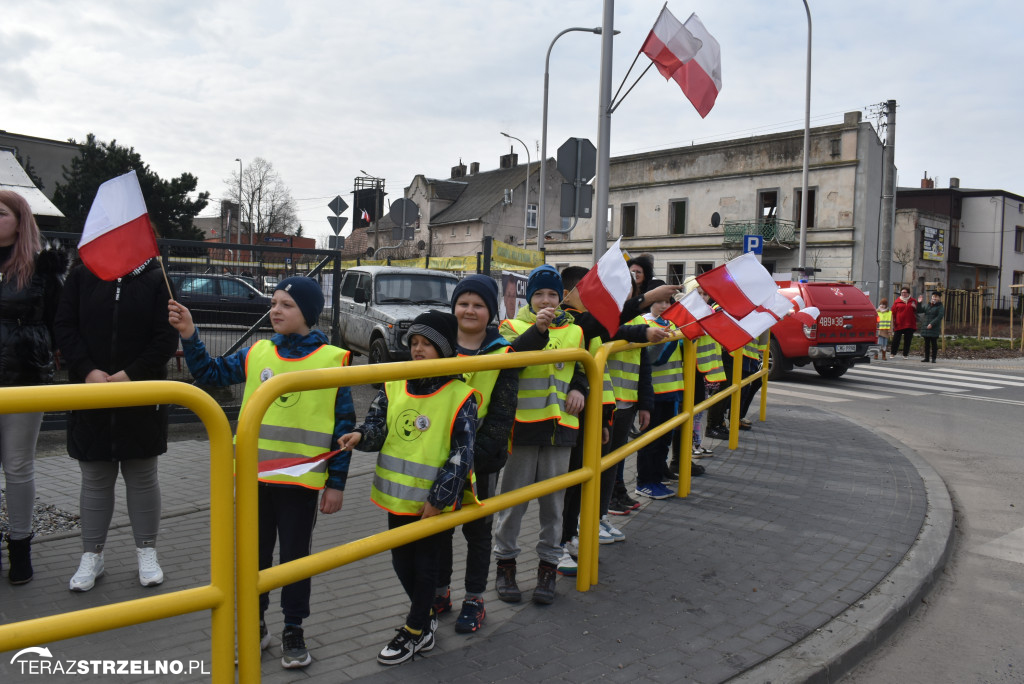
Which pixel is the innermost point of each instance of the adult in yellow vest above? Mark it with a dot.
(297, 434)
(884, 316)
(550, 400)
(424, 430)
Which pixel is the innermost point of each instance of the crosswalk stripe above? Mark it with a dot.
(889, 383)
(881, 387)
(988, 377)
(920, 376)
(772, 391)
(991, 399)
(831, 389)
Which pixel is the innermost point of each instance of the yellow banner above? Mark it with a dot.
(453, 263)
(510, 254)
(421, 262)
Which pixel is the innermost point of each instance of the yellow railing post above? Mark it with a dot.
(764, 382)
(590, 495)
(734, 406)
(686, 429)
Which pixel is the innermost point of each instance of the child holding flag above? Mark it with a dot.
(296, 432)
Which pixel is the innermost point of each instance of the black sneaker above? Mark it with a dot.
(717, 433)
(294, 653)
(505, 582)
(443, 602)
(471, 617)
(399, 649)
(627, 500)
(617, 507)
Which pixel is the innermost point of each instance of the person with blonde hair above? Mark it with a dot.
(31, 279)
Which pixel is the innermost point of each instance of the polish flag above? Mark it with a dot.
(808, 315)
(365, 216)
(285, 469)
(740, 286)
(687, 313)
(606, 287)
(117, 237)
(689, 55)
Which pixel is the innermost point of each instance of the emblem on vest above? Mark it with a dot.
(266, 374)
(411, 424)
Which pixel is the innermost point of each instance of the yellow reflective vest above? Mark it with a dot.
(624, 369)
(884, 322)
(669, 376)
(607, 389)
(483, 381)
(543, 388)
(417, 445)
(709, 359)
(298, 426)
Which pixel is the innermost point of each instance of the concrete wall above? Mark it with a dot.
(48, 157)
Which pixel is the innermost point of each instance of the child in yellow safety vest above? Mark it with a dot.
(884, 316)
(298, 431)
(424, 430)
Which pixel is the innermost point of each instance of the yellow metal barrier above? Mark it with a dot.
(251, 582)
(218, 596)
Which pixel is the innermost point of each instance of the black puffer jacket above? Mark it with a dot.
(114, 326)
(26, 321)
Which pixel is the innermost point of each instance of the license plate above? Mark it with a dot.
(846, 348)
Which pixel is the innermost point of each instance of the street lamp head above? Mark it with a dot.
(597, 30)
(505, 134)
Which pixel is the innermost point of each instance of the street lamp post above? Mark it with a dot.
(807, 149)
(526, 194)
(541, 201)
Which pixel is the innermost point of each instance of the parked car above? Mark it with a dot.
(220, 299)
(844, 334)
(270, 283)
(379, 303)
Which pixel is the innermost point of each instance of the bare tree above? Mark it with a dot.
(902, 256)
(266, 201)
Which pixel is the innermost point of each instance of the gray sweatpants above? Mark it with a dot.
(527, 465)
(18, 434)
(96, 503)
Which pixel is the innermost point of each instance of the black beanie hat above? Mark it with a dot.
(481, 285)
(307, 294)
(440, 328)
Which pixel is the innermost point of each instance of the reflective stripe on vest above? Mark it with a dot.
(417, 445)
(296, 426)
(669, 376)
(543, 388)
(752, 350)
(607, 389)
(624, 367)
(709, 359)
(884, 321)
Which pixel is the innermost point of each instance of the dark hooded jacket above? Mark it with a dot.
(26, 321)
(114, 326)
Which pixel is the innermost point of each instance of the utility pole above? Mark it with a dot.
(888, 202)
(604, 127)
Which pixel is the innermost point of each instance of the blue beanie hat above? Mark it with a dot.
(544, 277)
(482, 286)
(307, 294)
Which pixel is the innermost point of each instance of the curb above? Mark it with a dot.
(838, 646)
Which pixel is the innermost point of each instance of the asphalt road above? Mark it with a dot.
(970, 627)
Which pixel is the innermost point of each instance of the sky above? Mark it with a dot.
(327, 90)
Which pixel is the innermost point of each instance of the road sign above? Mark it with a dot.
(275, 240)
(753, 243)
(567, 204)
(338, 205)
(577, 159)
(404, 213)
(335, 242)
(337, 223)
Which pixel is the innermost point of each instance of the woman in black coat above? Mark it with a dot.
(30, 284)
(117, 331)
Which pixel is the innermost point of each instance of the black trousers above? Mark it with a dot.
(931, 346)
(650, 461)
(287, 515)
(416, 567)
(907, 334)
(478, 545)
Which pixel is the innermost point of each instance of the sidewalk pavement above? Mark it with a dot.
(791, 558)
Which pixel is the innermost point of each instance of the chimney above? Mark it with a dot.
(508, 161)
(926, 182)
(459, 171)
(474, 168)
(954, 182)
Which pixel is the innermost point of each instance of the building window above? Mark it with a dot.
(704, 266)
(812, 204)
(835, 145)
(1018, 240)
(628, 220)
(677, 217)
(531, 216)
(676, 274)
(453, 231)
(1018, 279)
(468, 227)
(767, 206)
(611, 222)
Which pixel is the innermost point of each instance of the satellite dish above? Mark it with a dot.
(716, 220)
(369, 251)
(404, 213)
(421, 245)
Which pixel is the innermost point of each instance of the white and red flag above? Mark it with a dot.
(117, 237)
(687, 313)
(740, 286)
(807, 315)
(365, 216)
(606, 287)
(689, 55)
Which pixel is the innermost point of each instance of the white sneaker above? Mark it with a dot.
(150, 573)
(613, 532)
(566, 564)
(89, 569)
(573, 546)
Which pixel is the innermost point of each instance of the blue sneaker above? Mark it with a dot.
(663, 491)
(654, 490)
